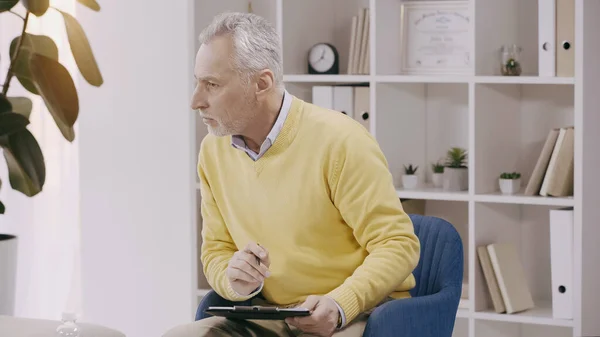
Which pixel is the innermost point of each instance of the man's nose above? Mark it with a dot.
(198, 101)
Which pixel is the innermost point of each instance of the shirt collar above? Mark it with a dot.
(239, 143)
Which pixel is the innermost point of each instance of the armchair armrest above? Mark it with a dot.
(425, 316)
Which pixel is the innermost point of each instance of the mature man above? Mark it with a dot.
(305, 189)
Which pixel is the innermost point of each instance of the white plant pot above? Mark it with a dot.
(410, 181)
(8, 274)
(509, 186)
(437, 179)
(456, 179)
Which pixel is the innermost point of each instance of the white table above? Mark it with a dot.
(28, 327)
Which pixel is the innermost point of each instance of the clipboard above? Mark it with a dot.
(257, 312)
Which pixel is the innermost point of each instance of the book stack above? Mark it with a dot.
(505, 278)
(359, 56)
(553, 172)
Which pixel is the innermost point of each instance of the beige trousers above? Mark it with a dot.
(220, 327)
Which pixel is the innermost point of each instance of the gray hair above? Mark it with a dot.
(256, 43)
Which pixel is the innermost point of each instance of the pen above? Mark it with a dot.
(257, 258)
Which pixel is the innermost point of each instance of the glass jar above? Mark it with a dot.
(510, 58)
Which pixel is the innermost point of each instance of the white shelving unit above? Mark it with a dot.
(501, 121)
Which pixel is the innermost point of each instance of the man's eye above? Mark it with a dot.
(211, 85)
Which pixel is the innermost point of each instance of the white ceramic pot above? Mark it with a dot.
(437, 179)
(410, 181)
(456, 179)
(8, 274)
(509, 186)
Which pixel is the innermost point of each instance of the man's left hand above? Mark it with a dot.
(323, 318)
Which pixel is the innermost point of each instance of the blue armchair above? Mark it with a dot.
(431, 312)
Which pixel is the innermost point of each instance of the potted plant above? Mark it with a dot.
(510, 182)
(456, 173)
(35, 64)
(437, 176)
(410, 179)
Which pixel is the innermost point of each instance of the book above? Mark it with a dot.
(510, 276)
(358, 55)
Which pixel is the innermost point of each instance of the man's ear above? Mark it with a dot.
(265, 82)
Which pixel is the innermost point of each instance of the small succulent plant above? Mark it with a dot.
(437, 167)
(510, 175)
(410, 170)
(456, 158)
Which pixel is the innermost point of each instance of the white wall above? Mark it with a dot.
(137, 167)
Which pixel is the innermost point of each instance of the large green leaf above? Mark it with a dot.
(36, 7)
(6, 5)
(11, 123)
(5, 105)
(25, 161)
(57, 88)
(82, 51)
(21, 105)
(92, 4)
(32, 43)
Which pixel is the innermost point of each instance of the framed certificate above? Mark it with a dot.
(436, 37)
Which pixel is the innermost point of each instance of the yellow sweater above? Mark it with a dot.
(322, 201)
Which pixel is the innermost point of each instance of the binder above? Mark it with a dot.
(343, 100)
(565, 37)
(322, 95)
(362, 106)
(547, 38)
(561, 257)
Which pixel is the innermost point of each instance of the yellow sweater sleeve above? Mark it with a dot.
(362, 189)
(217, 245)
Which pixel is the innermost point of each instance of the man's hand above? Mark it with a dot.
(248, 268)
(323, 318)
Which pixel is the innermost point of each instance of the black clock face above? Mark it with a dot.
(321, 57)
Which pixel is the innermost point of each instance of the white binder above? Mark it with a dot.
(343, 100)
(547, 38)
(561, 257)
(322, 95)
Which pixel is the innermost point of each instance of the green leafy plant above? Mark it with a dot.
(34, 63)
(510, 175)
(410, 170)
(512, 67)
(456, 157)
(437, 167)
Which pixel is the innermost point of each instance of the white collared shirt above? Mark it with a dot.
(239, 143)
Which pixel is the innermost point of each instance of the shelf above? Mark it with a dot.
(462, 313)
(524, 200)
(423, 79)
(523, 80)
(432, 193)
(541, 315)
(326, 78)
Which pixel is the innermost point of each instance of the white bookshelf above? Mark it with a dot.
(501, 121)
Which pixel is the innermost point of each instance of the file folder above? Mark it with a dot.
(547, 38)
(565, 37)
(561, 257)
(343, 100)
